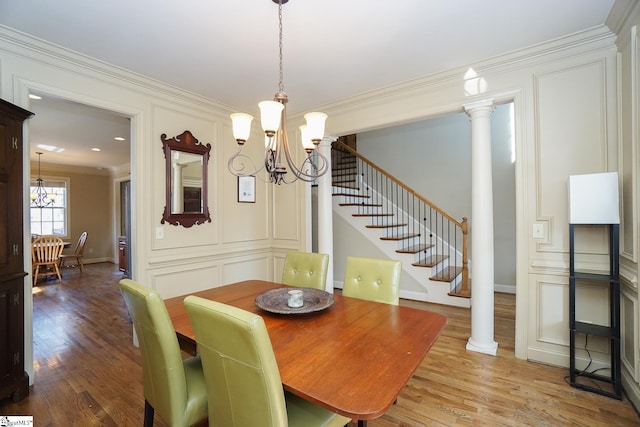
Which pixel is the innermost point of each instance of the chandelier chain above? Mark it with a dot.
(281, 83)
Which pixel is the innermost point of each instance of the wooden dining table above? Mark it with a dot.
(353, 357)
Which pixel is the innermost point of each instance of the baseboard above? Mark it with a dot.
(505, 289)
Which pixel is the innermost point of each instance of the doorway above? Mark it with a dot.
(92, 147)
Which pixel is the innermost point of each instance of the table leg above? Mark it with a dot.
(362, 423)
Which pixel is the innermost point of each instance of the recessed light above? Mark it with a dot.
(119, 138)
(51, 148)
(32, 96)
(95, 149)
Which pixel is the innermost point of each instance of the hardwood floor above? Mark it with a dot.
(88, 373)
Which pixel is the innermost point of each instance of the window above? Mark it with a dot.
(51, 219)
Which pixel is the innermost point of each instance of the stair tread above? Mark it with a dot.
(352, 195)
(414, 249)
(430, 261)
(447, 274)
(401, 236)
(373, 214)
(368, 205)
(385, 225)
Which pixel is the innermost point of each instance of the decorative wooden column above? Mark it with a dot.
(325, 211)
(482, 248)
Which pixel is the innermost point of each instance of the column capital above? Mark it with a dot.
(476, 106)
(327, 140)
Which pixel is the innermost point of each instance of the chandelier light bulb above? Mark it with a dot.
(307, 143)
(270, 114)
(241, 123)
(315, 125)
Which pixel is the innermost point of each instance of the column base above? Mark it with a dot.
(491, 349)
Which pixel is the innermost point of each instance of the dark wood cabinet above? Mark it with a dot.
(14, 381)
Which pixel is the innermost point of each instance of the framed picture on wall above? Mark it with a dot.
(247, 189)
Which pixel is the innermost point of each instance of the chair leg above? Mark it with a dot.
(80, 264)
(148, 414)
(57, 272)
(35, 275)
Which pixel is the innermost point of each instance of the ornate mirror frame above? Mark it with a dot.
(185, 143)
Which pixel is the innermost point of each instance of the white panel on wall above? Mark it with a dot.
(592, 304)
(278, 267)
(628, 96)
(243, 222)
(571, 139)
(247, 269)
(629, 348)
(553, 317)
(176, 283)
(287, 212)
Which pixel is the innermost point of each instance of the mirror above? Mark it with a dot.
(187, 162)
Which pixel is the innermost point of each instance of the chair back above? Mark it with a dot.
(240, 369)
(306, 269)
(79, 249)
(373, 279)
(165, 386)
(46, 249)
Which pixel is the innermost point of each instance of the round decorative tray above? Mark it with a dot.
(275, 301)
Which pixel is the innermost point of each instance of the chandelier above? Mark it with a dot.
(39, 196)
(273, 117)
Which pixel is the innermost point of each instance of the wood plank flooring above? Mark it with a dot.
(88, 373)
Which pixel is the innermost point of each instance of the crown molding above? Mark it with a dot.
(621, 15)
(27, 46)
(591, 40)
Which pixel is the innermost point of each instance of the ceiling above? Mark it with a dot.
(228, 51)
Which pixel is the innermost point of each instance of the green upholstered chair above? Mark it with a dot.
(372, 279)
(306, 269)
(241, 372)
(173, 388)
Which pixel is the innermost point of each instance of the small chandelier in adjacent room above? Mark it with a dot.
(39, 196)
(274, 123)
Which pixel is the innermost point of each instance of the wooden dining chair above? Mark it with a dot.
(373, 279)
(306, 269)
(241, 373)
(45, 254)
(77, 252)
(173, 387)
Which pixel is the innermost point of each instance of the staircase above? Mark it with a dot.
(402, 224)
